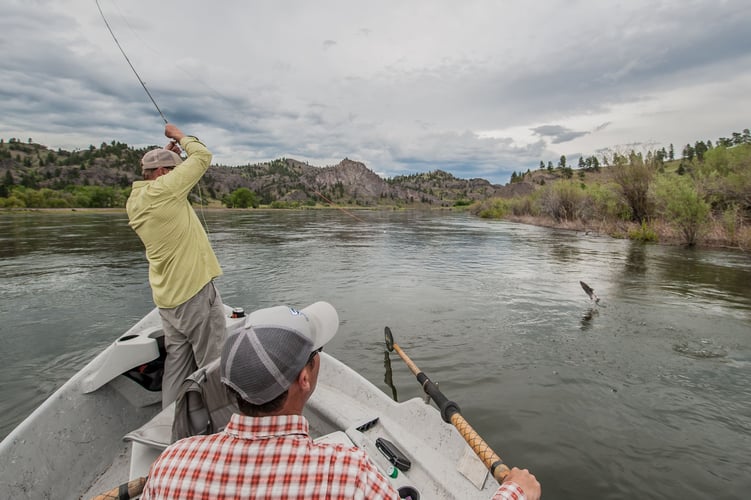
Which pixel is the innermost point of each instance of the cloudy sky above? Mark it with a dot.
(476, 88)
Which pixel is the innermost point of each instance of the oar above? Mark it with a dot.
(451, 414)
(125, 491)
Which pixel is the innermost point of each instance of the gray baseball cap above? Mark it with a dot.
(263, 358)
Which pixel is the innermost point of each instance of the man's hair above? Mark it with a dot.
(252, 410)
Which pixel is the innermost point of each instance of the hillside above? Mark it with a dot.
(700, 199)
(65, 178)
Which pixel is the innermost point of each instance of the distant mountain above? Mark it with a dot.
(282, 180)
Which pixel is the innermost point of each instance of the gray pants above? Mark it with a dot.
(194, 334)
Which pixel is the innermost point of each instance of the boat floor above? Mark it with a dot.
(115, 475)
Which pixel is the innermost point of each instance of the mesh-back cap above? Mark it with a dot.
(160, 158)
(263, 358)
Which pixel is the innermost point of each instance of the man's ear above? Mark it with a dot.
(304, 378)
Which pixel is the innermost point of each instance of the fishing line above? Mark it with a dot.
(340, 208)
(200, 192)
(129, 63)
(193, 77)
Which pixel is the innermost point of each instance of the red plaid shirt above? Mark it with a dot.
(271, 458)
(509, 491)
(266, 457)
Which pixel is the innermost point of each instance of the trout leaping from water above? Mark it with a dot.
(590, 292)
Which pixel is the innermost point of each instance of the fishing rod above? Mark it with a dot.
(129, 63)
(200, 193)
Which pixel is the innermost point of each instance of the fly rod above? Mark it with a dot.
(129, 63)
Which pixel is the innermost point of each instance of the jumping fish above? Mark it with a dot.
(590, 292)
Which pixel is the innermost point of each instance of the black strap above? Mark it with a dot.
(494, 466)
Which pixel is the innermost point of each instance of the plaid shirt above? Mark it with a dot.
(271, 458)
(266, 457)
(509, 491)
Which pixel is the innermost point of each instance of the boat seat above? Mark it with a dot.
(149, 441)
(157, 432)
(202, 407)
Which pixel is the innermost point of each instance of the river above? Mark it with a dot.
(645, 395)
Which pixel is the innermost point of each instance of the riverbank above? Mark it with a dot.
(658, 232)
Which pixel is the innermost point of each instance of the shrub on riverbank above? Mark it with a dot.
(71, 197)
(702, 201)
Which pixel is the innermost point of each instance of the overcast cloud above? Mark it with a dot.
(476, 88)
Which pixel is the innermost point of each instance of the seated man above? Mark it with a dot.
(271, 365)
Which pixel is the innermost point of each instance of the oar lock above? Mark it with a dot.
(427, 397)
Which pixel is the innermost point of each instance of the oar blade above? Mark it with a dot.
(389, 339)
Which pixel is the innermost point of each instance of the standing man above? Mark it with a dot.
(271, 365)
(182, 264)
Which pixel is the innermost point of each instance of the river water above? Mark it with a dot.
(645, 395)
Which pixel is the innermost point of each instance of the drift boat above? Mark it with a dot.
(105, 426)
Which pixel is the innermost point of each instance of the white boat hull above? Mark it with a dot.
(72, 445)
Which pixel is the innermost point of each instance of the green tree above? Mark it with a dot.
(688, 152)
(680, 202)
(725, 177)
(563, 200)
(595, 164)
(634, 179)
(699, 149)
(243, 198)
(8, 183)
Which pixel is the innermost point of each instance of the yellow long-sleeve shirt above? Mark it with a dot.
(181, 260)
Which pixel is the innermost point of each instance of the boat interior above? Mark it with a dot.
(106, 426)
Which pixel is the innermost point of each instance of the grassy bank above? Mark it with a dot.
(657, 232)
(703, 201)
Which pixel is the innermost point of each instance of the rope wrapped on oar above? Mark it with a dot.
(451, 414)
(492, 461)
(125, 491)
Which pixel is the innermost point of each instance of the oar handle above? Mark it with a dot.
(127, 490)
(492, 461)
